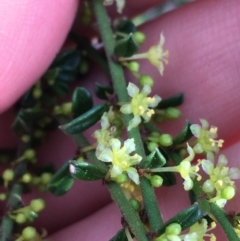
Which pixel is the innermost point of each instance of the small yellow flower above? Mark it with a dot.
(198, 232)
(107, 131)
(186, 170)
(220, 185)
(139, 104)
(120, 4)
(120, 159)
(156, 55)
(205, 138)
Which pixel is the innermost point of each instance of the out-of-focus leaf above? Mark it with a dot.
(126, 26)
(103, 91)
(81, 102)
(126, 47)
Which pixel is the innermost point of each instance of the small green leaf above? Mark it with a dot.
(126, 26)
(85, 120)
(82, 101)
(60, 88)
(62, 181)
(103, 91)
(85, 171)
(31, 114)
(154, 160)
(186, 218)
(120, 236)
(184, 135)
(172, 101)
(126, 47)
(66, 64)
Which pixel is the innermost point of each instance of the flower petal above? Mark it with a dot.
(146, 90)
(188, 183)
(115, 144)
(106, 155)
(135, 121)
(116, 171)
(222, 160)
(126, 109)
(130, 145)
(234, 173)
(204, 123)
(207, 166)
(133, 175)
(196, 130)
(198, 148)
(155, 101)
(132, 89)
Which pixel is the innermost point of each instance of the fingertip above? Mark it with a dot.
(32, 32)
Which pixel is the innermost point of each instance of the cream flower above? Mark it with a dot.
(220, 185)
(186, 170)
(107, 131)
(156, 55)
(120, 4)
(139, 104)
(120, 159)
(205, 138)
(198, 232)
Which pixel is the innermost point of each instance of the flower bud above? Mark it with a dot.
(140, 37)
(46, 177)
(156, 181)
(174, 229)
(37, 92)
(20, 218)
(135, 204)
(25, 138)
(27, 178)
(37, 205)
(29, 154)
(146, 80)
(152, 146)
(122, 178)
(3, 196)
(228, 192)
(29, 233)
(172, 113)
(66, 108)
(133, 66)
(165, 140)
(8, 175)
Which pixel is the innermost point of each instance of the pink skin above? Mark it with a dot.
(203, 40)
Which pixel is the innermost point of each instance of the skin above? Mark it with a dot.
(203, 40)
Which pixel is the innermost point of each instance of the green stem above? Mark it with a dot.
(8, 223)
(220, 216)
(128, 212)
(120, 88)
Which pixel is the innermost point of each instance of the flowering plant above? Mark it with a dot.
(128, 149)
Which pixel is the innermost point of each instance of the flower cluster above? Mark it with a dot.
(185, 168)
(120, 159)
(220, 185)
(140, 104)
(206, 142)
(156, 55)
(197, 232)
